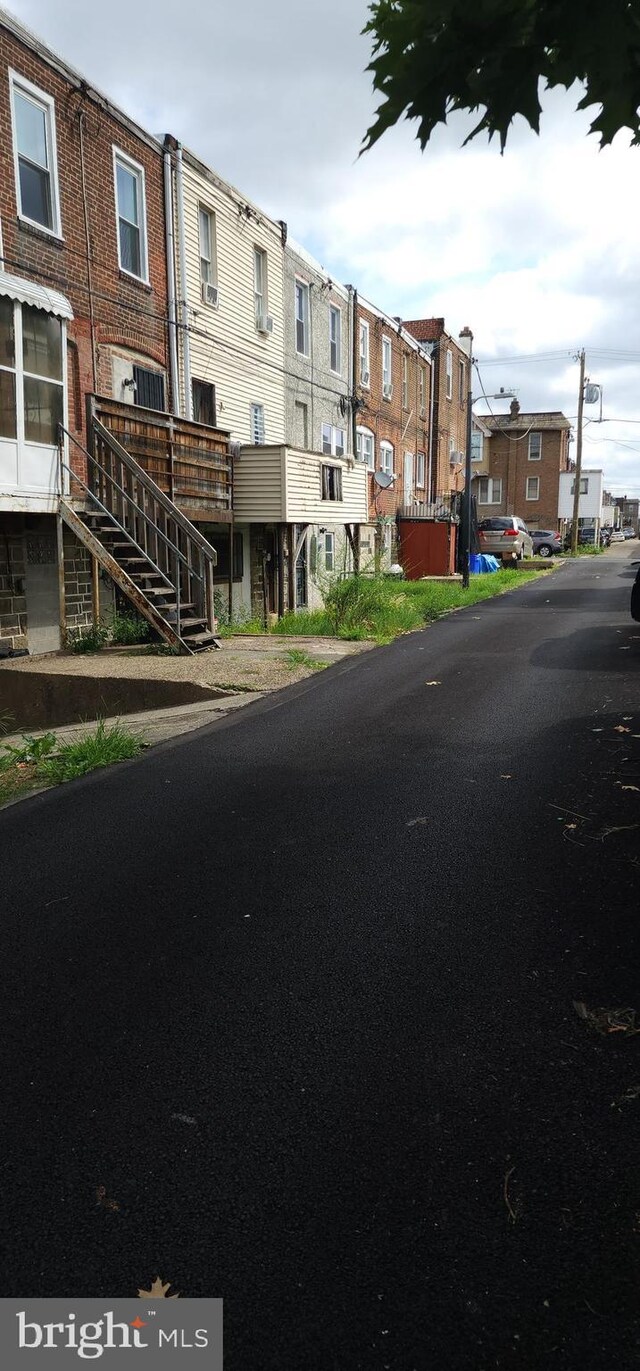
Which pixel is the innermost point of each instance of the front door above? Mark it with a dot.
(42, 593)
(408, 478)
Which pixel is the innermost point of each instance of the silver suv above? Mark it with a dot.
(506, 537)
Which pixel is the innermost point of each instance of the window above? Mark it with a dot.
(257, 425)
(333, 440)
(204, 402)
(535, 447)
(260, 297)
(331, 483)
(405, 381)
(335, 338)
(533, 487)
(422, 390)
(386, 368)
(31, 367)
(461, 395)
(420, 469)
(449, 368)
(148, 388)
(365, 447)
(476, 445)
(584, 486)
(8, 416)
(301, 423)
(364, 354)
(207, 231)
(34, 142)
(490, 490)
(302, 318)
(386, 458)
(452, 450)
(329, 551)
(131, 215)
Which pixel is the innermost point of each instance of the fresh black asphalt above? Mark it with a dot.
(297, 992)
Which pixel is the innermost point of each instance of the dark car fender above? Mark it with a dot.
(635, 598)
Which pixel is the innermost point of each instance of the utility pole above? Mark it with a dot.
(466, 497)
(576, 488)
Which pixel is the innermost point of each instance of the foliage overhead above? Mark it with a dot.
(432, 57)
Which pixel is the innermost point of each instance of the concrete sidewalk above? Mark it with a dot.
(153, 725)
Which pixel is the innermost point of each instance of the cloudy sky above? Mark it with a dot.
(538, 251)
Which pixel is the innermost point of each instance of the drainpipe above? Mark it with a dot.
(170, 248)
(355, 352)
(184, 308)
(434, 358)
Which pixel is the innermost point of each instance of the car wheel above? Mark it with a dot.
(544, 550)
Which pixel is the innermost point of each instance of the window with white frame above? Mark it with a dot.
(386, 458)
(333, 440)
(452, 450)
(331, 482)
(533, 487)
(422, 390)
(34, 146)
(386, 368)
(257, 424)
(260, 294)
(335, 338)
(365, 447)
(131, 214)
(329, 551)
(476, 445)
(31, 375)
(207, 235)
(449, 371)
(461, 395)
(490, 490)
(405, 381)
(365, 375)
(584, 486)
(535, 447)
(420, 469)
(302, 317)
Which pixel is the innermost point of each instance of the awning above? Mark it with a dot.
(39, 296)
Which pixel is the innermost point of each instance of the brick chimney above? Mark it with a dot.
(514, 409)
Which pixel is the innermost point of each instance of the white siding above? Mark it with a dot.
(245, 367)
(303, 501)
(258, 485)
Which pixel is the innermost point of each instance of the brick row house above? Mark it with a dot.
(196, 419)
(517, 468)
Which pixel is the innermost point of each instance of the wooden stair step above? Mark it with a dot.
(200, 638)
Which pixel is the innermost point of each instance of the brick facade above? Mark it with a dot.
(450, 392)
(511, 457)
(113, 312)
(401, 420)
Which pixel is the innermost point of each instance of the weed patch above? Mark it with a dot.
(296, 657)
(44, 761)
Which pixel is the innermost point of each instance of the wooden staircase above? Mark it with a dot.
(148, 547)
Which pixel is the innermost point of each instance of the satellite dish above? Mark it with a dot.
(591, 394)
(383, 479)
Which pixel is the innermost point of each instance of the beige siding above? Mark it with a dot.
(304, 503)
(245, 366)
(258, 486)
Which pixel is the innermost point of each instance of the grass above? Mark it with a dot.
(43, 761)
(360, 608)
(253, 627)
(584, 550)
(296, 657)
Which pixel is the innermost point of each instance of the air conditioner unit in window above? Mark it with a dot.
(210, 295)
(387, 390)
(423, 411)
(364, 378)
(264, 323)
(455, 457)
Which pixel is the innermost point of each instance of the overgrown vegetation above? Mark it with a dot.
(296, 656)
(241, 621)
(43, 761)
(584, 550)
(123, 630)
(377, 608)
(90, 639)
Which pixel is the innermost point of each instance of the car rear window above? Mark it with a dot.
(495, 524)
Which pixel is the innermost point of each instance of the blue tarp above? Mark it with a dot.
(480, 562)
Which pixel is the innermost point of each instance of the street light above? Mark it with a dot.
(466, 496)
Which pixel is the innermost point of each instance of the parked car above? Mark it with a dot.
(616, 536)
(635, 595)
(505, 536)
(546, 542)
(629, 532)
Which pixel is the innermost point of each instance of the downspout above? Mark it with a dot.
(87, 238)
(432, 381)
(184, 308)
(354, 368)
(170, 248)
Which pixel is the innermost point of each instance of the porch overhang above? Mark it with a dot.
(40, 297)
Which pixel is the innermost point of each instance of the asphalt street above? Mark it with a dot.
(297, 991)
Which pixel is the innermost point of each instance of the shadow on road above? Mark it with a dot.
(591, 649)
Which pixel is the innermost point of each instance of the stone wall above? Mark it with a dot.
(77, 583)
(13, 605)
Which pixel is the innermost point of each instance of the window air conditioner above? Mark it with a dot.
(210, 295)
(387, 390)
(423, 411)
(364, 378)
(264, 323)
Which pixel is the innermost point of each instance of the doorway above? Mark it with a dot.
(42, 592)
